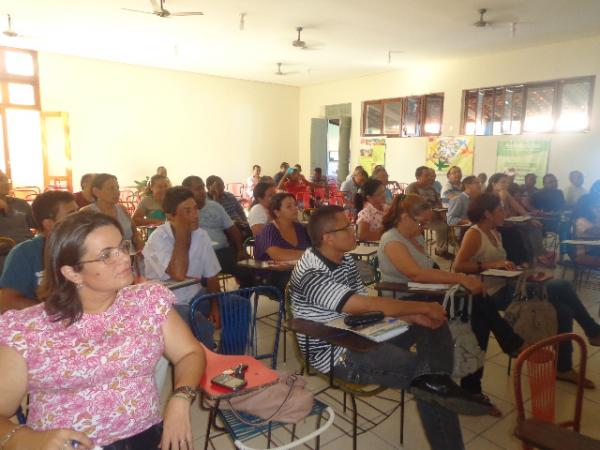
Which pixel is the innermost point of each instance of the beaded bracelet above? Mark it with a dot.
(9, 435)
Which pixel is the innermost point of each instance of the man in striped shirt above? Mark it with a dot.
(325, 284)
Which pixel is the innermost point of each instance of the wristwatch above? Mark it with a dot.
(187, 392)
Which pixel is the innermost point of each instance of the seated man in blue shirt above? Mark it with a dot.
(24, 265)
(226, 237)
(457, 211)
(326, 285)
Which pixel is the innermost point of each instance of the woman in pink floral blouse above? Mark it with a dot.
(87, 355)
(371, 206)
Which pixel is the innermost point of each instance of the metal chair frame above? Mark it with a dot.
(251, 294)
(355, 391)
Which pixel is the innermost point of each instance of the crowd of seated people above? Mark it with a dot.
(198, 235)
(16, 218)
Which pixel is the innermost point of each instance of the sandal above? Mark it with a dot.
(494, 411)
(572, 376)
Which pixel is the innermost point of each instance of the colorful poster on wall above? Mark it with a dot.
(445, 152)
(523, 156)
(372, 153)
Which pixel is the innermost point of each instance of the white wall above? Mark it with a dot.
(568, 59)
(127, 120)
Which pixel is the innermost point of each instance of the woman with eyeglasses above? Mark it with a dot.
(87, 355)
(402, 259)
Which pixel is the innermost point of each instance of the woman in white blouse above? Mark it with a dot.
(259, 213)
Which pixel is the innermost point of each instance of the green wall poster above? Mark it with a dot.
(524, 156)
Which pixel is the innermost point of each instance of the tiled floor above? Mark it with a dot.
(479, 433)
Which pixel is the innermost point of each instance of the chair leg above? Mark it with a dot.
(509, 366)
(318, 438)
(354, 422)
(344, 403)
(269, 436)
(401, 417)
(211, 415)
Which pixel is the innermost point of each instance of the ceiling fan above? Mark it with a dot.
(280, 73)
(302, 45)
(512, 24)
(482, 23)
(9, 32)
(299, 43)
(158, 9)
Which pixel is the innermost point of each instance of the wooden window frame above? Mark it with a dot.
(424, 113)
(403, 105)
(556, 104)
(5, 79)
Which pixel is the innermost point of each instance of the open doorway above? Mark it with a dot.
(333, 145)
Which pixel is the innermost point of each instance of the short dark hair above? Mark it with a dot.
(188, 182)
(320, 221)
(366, 190)
(318, 170)
(65, 247)
(284, 164)
(277, 200)
(471, 179)
(255, 166)
(85, 178)
(548, 175)
(173, 197)
(99, 181)
(480, 204)
(261, 189)
(420, 171)
(212, 179)
(46, 204)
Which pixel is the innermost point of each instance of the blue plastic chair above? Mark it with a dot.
(238, 311)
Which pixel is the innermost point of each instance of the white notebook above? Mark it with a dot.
(501, 273)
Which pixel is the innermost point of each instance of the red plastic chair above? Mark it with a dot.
(237, 189)
(541, 430)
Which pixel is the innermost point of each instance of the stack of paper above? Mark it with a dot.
(501, 273)
(380, 331)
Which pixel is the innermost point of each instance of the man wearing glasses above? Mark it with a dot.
(326, 285)
(24, 265)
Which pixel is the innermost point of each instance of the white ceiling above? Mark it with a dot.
(352, 37)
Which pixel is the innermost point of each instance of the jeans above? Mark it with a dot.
(485, 318)
(393, 365)
(148, 439)
(568, 306)
(205, 326)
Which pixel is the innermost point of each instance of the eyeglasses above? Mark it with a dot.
(110, 256)
(349, 226)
